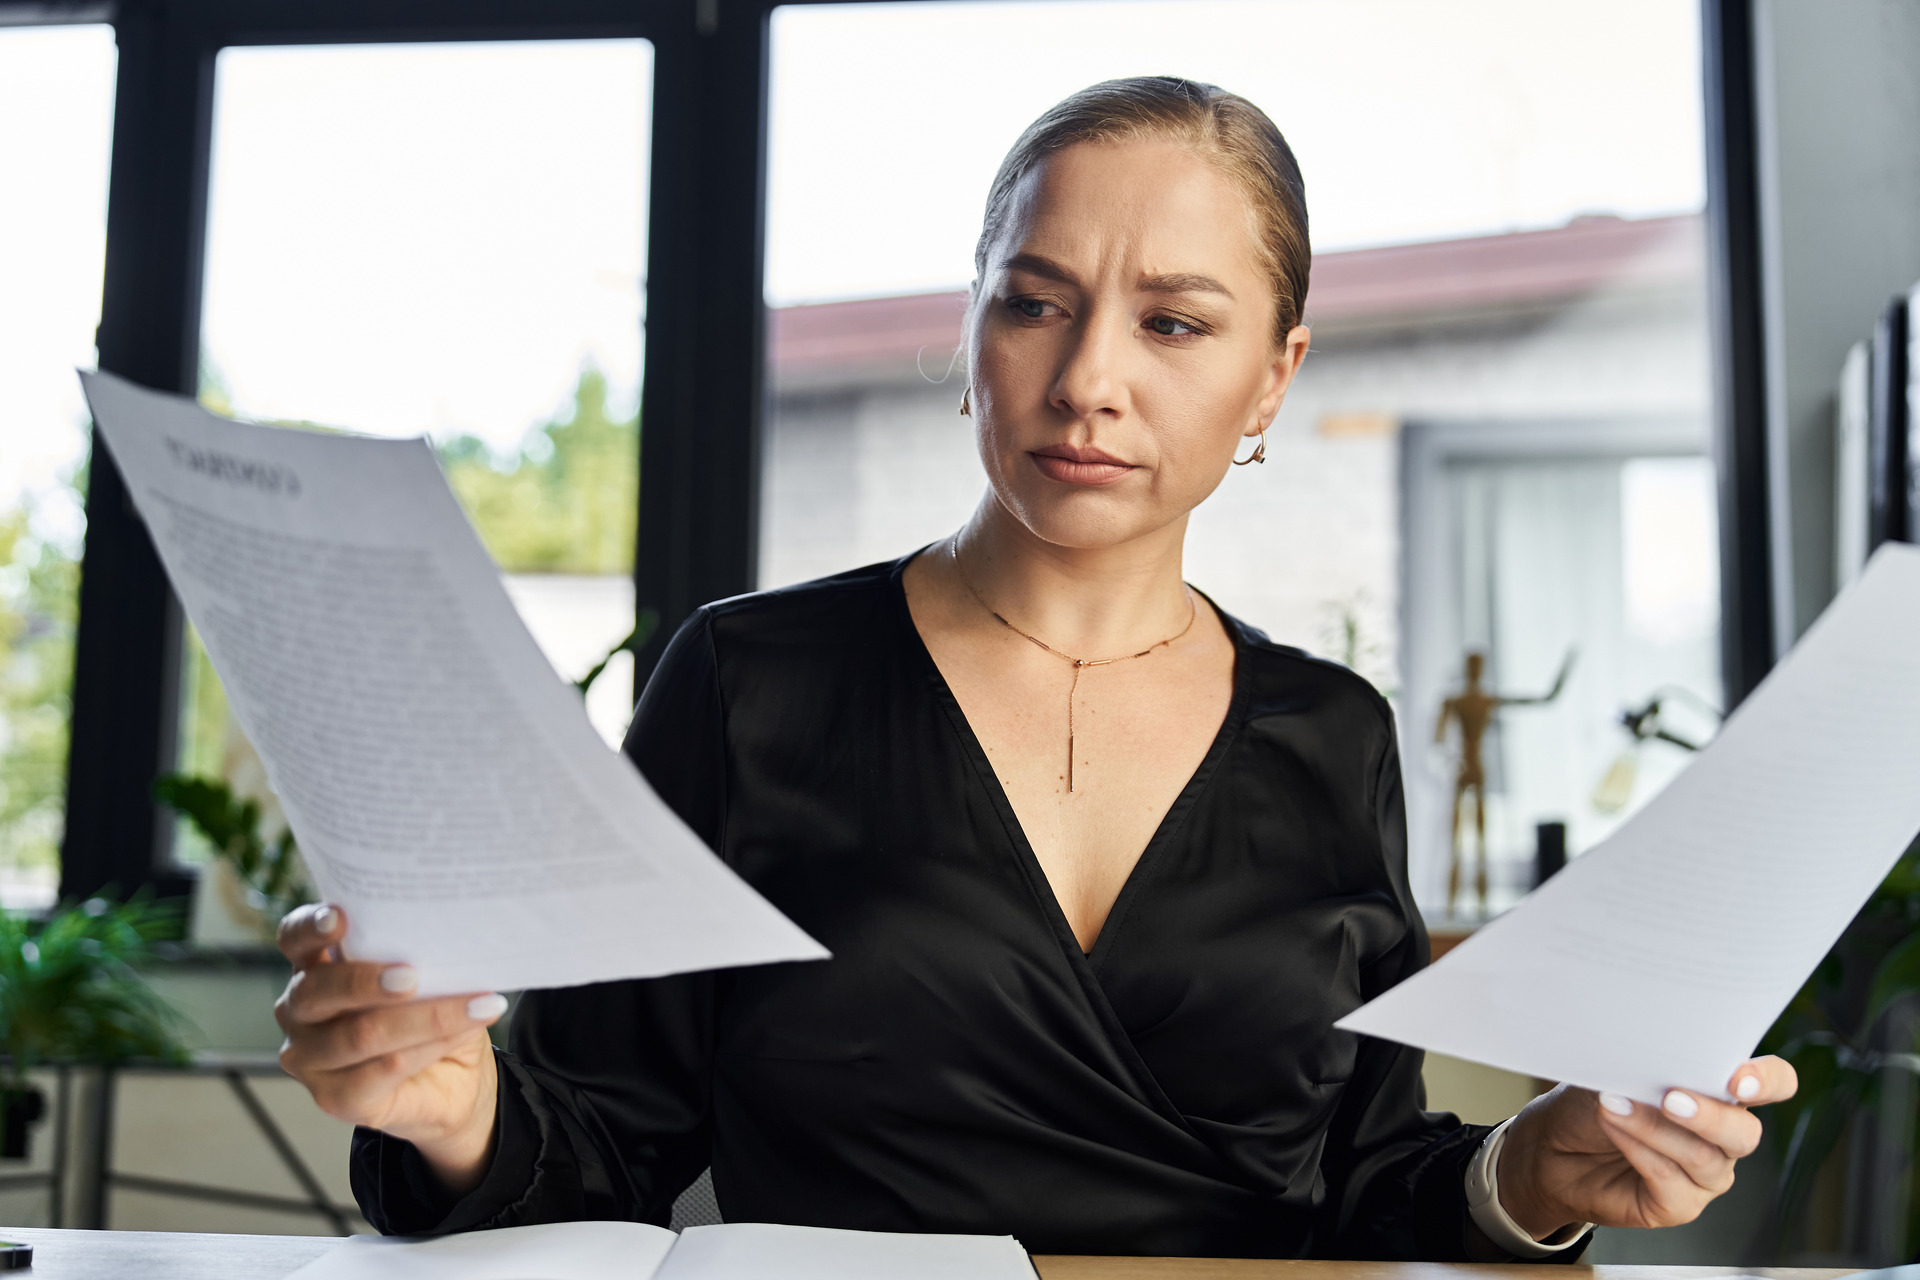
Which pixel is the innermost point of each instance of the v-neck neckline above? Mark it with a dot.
(1170, 822)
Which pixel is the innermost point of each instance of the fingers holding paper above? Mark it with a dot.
(1575, 1156)
(1680, 1172)
(1763, 1080)
(372, 1054)
(357, 1035)
(1686, 1148)
(309, 933)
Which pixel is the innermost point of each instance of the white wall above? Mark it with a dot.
(1838, 89)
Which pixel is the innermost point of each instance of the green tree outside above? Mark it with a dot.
(39, 588)
(566, 500)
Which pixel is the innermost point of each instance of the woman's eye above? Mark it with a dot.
(1168, 327)
(1031, 308)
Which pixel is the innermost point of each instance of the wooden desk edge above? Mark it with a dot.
(1067, 1267)
(168, 1255)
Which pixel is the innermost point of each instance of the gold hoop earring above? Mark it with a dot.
(966, 403)
(1259, 453)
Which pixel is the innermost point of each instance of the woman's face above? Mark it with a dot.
(1121, 342)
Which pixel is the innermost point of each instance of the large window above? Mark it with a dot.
(56, 109)
(1505, 202)
(447, 238)
(444, 240)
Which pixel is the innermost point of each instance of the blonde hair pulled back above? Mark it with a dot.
(1220, 127)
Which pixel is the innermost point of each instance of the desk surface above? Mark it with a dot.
(182, 1255)
(1062, 1268)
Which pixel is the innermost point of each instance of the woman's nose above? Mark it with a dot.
(1091, 375)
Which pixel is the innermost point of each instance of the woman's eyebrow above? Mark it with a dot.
(1046, 268)
(1034, 264)
(1183, 282)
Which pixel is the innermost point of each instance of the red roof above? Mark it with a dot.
(1582, 257)
(1481, 273)
(866, 331)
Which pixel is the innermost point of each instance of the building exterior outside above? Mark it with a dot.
(1465, 403)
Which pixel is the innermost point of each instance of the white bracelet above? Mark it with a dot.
(1483, 1202)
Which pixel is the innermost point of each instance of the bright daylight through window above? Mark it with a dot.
(444, 240)
(56, 121)
(1498, 443)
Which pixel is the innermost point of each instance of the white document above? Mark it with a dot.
(760, 1251)
(1660, 957)
(551, 1251)
(444, 784)
(636, 1251)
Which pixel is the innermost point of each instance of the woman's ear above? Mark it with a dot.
(1280, 374)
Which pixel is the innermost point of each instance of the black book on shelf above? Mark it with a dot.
(1893, 429)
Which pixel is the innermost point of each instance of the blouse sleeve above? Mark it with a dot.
(604, 1093)
(1396, 1172)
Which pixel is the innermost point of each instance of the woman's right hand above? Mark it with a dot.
(371, 1054)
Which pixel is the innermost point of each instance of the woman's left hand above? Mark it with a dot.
(1576, 1156)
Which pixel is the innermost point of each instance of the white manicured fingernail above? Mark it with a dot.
(1615, 1103)
(400, 979)
(481, 1008)
(1748, 1087)
(1680, 1104)
(325, 918)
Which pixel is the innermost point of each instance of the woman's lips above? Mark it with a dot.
(1079, 466)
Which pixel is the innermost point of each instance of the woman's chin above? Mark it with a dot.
(1087, 520)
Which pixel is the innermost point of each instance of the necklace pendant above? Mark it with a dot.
(1079, 664)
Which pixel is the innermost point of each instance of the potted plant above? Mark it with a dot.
(69, 991)
(1849, 1032)
(269, 870)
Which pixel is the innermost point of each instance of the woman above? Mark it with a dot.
(1099, 865)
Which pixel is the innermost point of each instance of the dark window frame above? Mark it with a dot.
(701, 385)
(1734, 283)
(702, 388)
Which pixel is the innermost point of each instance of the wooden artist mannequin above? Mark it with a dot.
(1474, 708)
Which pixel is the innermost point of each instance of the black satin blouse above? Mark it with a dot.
(960, 1065)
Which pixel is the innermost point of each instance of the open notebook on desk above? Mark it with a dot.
(636, 1251)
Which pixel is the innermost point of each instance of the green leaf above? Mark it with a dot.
(1816, 1132)
(231, 826)
(69, 990)
(1898, 976)
(1830, 1020)
(637, 638)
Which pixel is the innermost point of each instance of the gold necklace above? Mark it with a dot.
(1193, 612)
